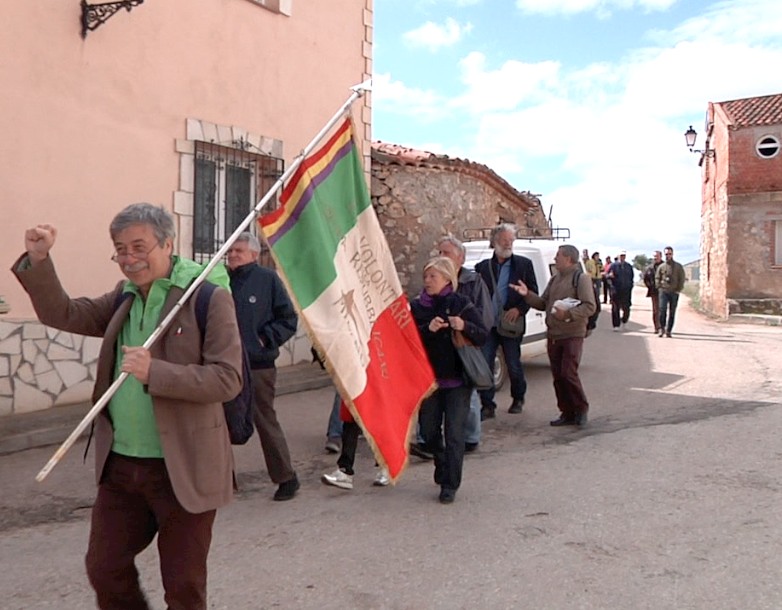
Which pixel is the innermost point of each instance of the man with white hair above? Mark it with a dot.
(498, 272)
(266, 321)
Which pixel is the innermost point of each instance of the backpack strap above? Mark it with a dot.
(576, 277)
(202, 306)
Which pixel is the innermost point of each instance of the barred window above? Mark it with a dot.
(228, 184)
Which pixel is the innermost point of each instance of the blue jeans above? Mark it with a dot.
(668, 299)
(511, 349)
(335, 423)
(472, 426)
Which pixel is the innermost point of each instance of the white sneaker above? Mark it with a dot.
(381, 478)
(616, 329)
(338, 479)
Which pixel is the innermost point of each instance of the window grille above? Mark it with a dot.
(228, 184)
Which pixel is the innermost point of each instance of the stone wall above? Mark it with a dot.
(417, 205)
(41, 367)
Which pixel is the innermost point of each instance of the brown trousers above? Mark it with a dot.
(135, 501)
(273, 443)
(564, 356)
(655, 298)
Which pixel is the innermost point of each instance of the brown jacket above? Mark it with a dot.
(188, 382)
(561, 287)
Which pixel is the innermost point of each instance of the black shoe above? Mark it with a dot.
(563, 421)
(487, 413)
(516, 406)
(581, 420)
(668, 334)
(419, 452)
(287, 489)
(470, 447)
(447, 496)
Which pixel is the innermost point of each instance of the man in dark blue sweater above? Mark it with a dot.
(622, 280)
(266, 320)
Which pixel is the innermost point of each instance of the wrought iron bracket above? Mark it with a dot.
(95, 15)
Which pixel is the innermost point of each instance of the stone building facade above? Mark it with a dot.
(158, 105)
(420, 197)
(741, 226)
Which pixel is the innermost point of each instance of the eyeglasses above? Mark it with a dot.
(136, 252)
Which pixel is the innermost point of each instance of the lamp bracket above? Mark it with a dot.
(708, 152)
(95, 15)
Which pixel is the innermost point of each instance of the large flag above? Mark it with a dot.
(335, 261)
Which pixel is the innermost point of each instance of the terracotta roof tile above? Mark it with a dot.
(766, 110)
(386, 153)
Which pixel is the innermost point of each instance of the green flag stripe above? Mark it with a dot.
(306, 252)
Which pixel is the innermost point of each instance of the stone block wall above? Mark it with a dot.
(41, 367)
(417, 205)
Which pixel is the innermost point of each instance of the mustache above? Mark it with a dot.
(136, 267)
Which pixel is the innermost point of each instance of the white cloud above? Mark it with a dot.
(604, 143)
(514, 83)
(434, 36)
(603, 8)
(397, 98)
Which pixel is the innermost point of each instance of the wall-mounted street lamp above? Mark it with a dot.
(690, 136)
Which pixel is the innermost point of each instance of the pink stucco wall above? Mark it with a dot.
(90, 125)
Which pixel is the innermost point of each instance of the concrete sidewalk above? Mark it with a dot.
(52, 426)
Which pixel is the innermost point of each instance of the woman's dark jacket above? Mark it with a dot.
(439, 347)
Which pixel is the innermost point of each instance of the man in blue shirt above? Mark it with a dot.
(497, 272)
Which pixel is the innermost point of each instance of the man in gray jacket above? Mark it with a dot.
(669, 279)
(568, 301)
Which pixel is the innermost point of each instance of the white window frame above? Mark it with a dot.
(767, 142)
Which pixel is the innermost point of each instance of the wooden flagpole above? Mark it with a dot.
(357, 91)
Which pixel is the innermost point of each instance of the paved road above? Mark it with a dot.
(672, 498)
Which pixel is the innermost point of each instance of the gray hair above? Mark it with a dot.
(455, 242)
(570, 251)
(252, 241)
(500, 228)
(156, 216)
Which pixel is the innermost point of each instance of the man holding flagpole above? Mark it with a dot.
(163, 459)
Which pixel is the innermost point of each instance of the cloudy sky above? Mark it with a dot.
(584, 102)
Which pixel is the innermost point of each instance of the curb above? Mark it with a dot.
(52, 426)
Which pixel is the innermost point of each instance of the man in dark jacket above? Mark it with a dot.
(266, 321)
(501, 269)
(622, 280)
(651, 288)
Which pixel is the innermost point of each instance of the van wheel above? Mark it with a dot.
(500, 370)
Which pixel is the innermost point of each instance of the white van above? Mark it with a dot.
(541, 252)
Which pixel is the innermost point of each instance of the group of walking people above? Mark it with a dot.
(488, 306)
(163, 459)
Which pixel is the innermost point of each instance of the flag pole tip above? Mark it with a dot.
(362, 87)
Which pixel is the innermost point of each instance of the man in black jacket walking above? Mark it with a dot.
(622, 280)
(501, 269)
(266, 321)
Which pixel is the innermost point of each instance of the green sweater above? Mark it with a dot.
(131, 410)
